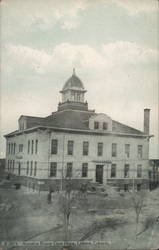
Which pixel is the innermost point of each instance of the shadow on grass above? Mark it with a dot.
(97, 226)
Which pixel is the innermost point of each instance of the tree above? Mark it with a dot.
(137, 203)
(66, 202)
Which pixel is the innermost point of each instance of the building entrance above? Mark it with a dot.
(99, 174)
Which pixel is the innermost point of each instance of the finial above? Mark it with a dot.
(74, 73)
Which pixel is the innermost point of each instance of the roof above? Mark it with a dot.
(75, 120)
(69, 119)
(73, 82)
(122, 128)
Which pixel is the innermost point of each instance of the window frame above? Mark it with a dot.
(114, 149)
(84, 170)
(113, 174)
(28, 146)
(54, 146)
(127, 150)
(36, 146)
(69, 170)
(126, 170)
(31, 168)
(53, 169)
(105, 125)
(139, 170)
(20, 148)
(32, 147)
(13, 166)
(35, 168)
(140, 151)
(70, 147)
(14, 148)
(85, 148)
(100, 149)
(96, 125)
(27, 170)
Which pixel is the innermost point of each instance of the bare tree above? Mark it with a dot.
(137, 203)
(67, 200)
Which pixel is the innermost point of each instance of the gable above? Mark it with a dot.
(103, 120)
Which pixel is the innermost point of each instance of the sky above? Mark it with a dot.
(113, 44)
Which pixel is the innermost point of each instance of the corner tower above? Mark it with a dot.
(73, 94)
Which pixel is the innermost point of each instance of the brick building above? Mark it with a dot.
(78, 143)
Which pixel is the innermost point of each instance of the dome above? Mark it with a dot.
(73, 82)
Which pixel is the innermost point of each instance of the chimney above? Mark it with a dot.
(146, 120)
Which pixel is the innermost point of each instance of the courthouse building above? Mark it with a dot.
(76, 142)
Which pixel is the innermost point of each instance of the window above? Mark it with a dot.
(29, 147)
(14, 148)
(69, 169)
(11, 148)
(70, 148)
(105, 125)
(139, 151)
(100, 148)
(84, 169)
(36, 146)
(96, 125)
(114, 149)
(53, 169)
(20, 147)
(126, 170)
(54, 146)
(9, 165)
(127, 150)
(35, 168)
(27, 170)
(85, 147)
(139, 171)
(32, 146)
(113, 170)
(13, 165)
(31, 169)
(78, 97)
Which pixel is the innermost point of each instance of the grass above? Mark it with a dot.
(113, 217)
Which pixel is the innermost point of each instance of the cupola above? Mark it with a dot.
(73, 94)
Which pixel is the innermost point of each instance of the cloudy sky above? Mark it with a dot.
(113, 44)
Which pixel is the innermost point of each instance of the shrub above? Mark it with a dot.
(148, 223)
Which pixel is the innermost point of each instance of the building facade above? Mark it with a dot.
(154, 173)
(78, 143)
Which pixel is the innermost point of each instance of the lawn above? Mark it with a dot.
(109, 219)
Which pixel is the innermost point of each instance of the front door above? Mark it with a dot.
(99, 174)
